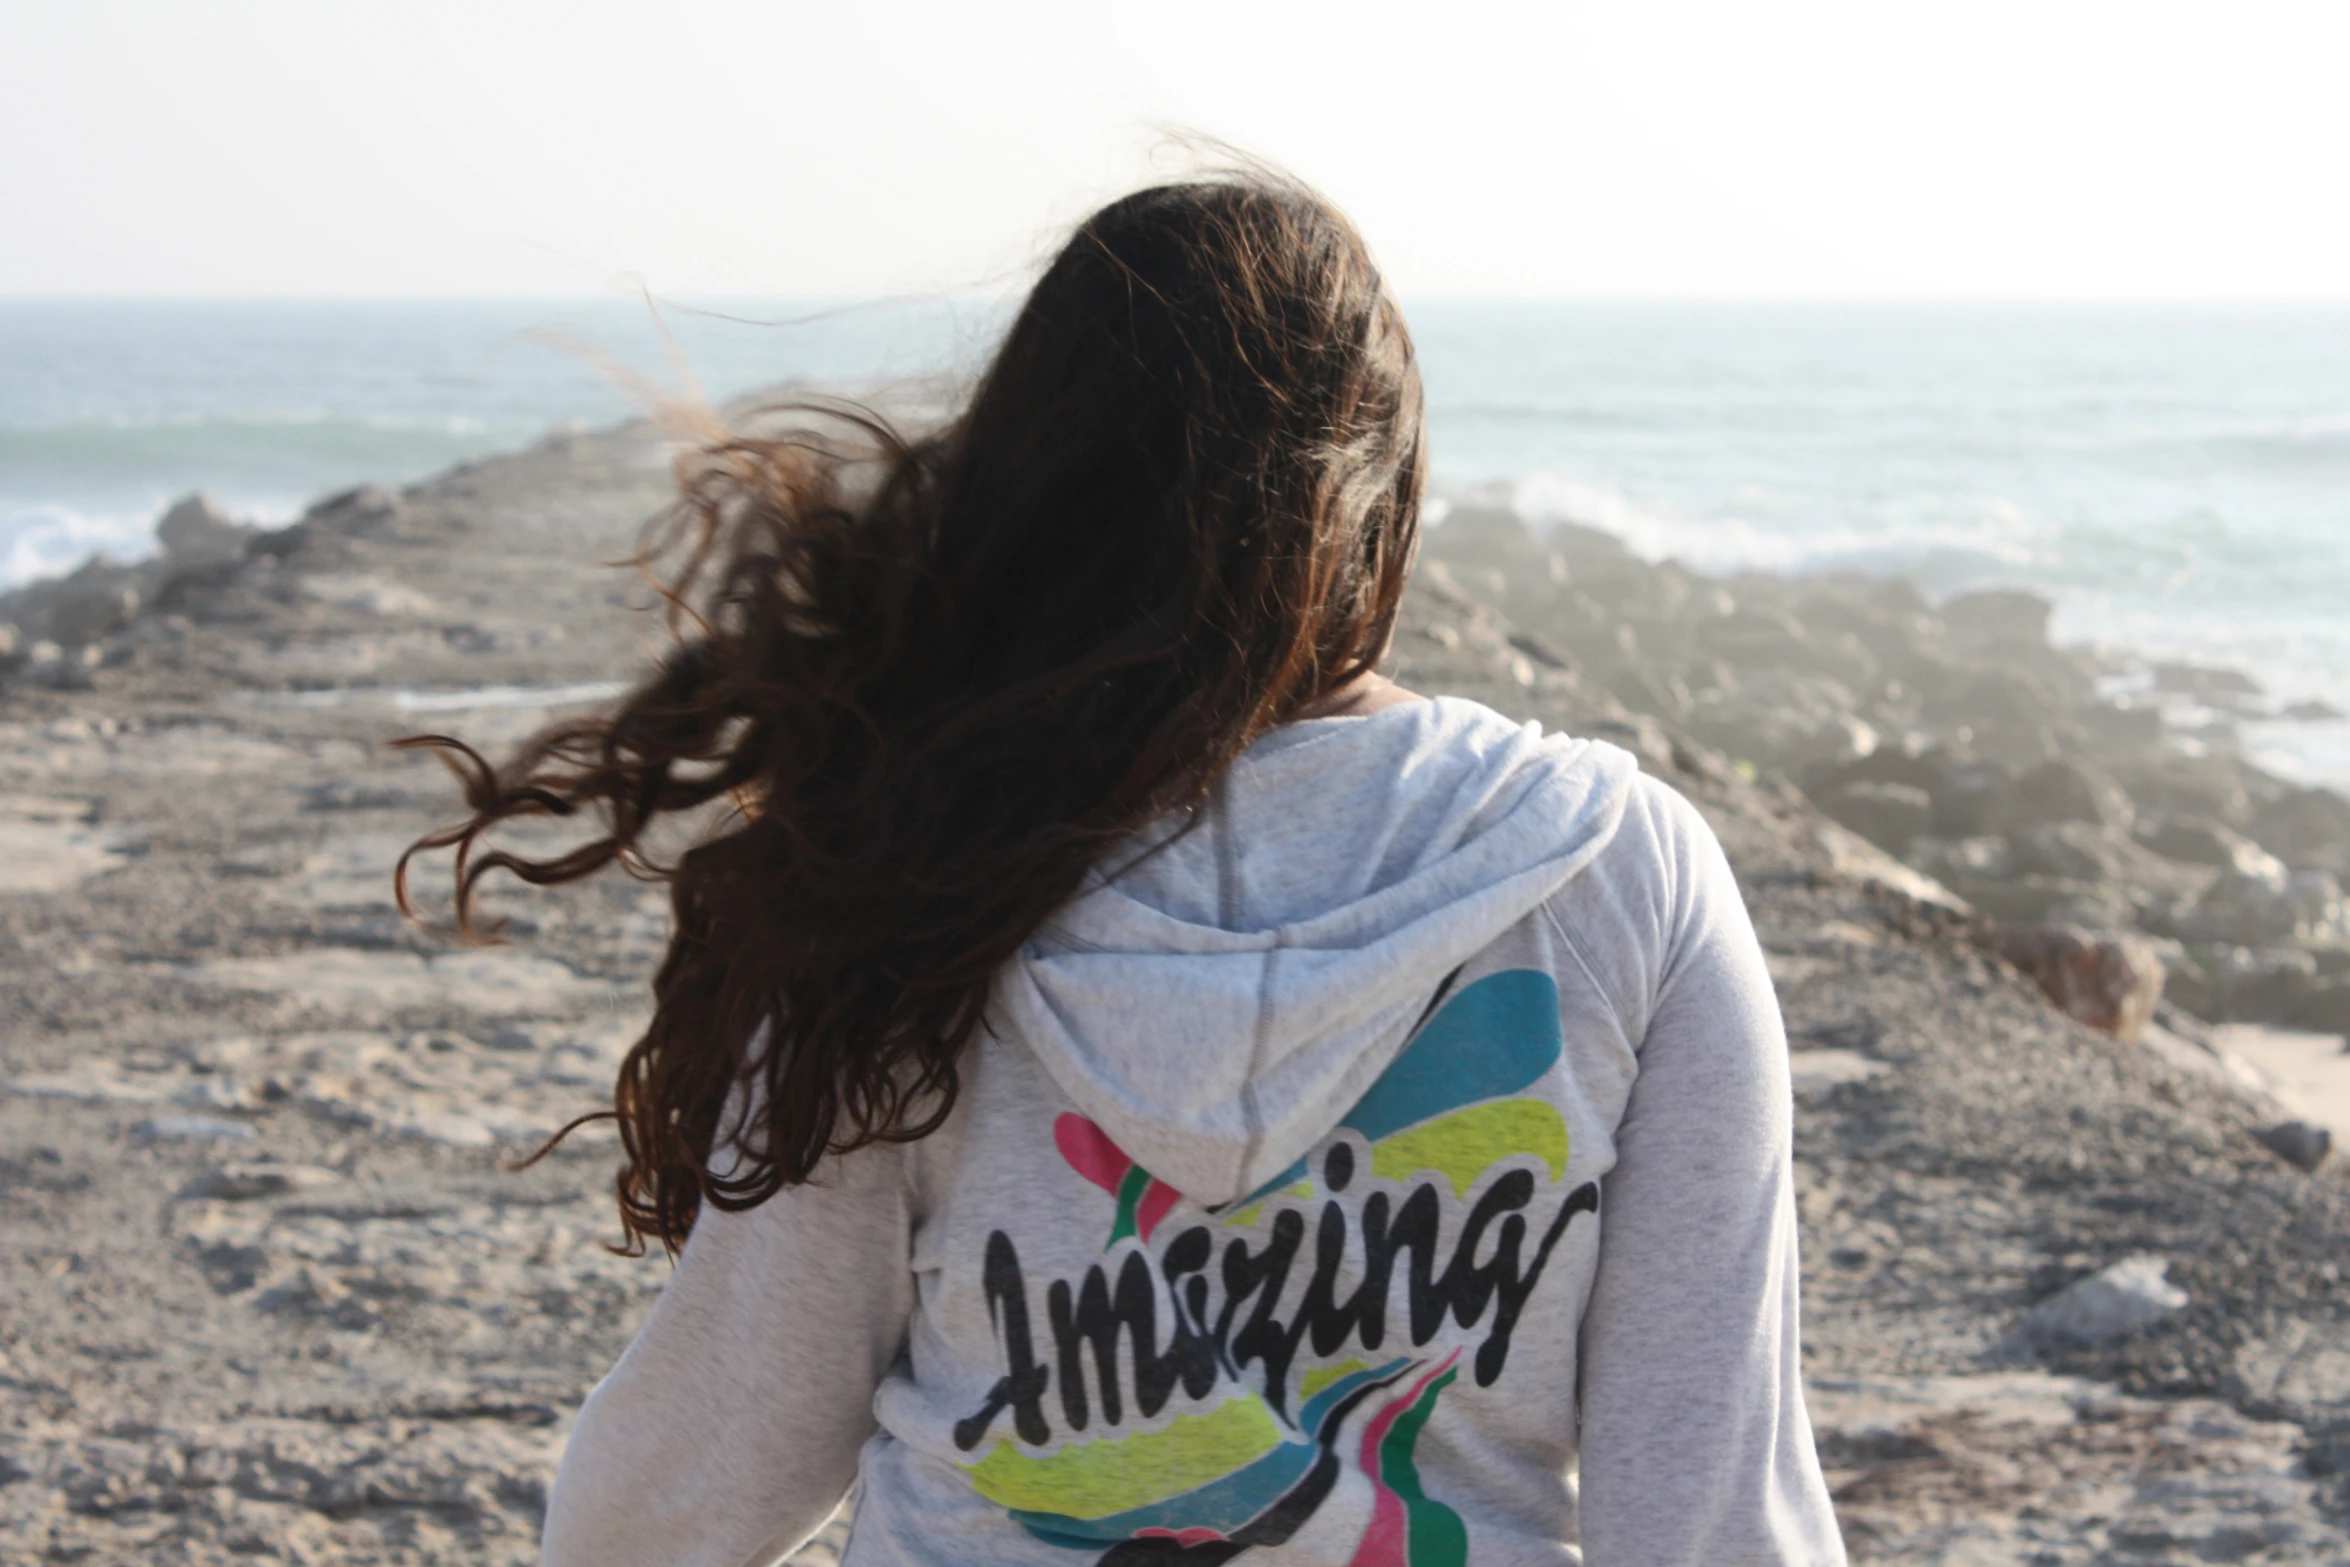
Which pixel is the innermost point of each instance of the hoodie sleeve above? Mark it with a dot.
(730, 1429)
(1696, 1447)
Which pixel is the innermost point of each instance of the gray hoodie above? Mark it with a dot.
(1391, 1171)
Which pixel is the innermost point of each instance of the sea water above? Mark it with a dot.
(2176, 477)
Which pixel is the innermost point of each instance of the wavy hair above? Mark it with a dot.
(931, 680)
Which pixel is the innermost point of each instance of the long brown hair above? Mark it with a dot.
(941, 676)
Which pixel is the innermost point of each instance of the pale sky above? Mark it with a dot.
(1745, 148)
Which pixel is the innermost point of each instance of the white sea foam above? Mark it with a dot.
(43, 541)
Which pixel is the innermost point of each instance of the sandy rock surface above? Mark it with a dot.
(267, 1294)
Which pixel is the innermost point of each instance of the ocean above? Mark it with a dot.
(2175, 477)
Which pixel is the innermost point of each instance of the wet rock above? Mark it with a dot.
(2299, 1143)
(2124, 1297)
(2105, 979)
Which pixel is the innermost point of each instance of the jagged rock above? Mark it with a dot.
(196, 532)
(1889, 815)
(2122, 1298)
(1999, 616)
(2299, 1143)
(2106, 979)
(2065, 791)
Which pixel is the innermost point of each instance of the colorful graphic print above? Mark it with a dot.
(1266, 1459)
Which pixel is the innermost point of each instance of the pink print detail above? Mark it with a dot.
(1387, 1540)
(1091, 1153)
(1186, 1538)
(1154, 1206)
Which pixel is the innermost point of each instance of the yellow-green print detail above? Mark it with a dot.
(1303, 1191)
(1465, 1144)
(1115, 1474)
(1321, 1377)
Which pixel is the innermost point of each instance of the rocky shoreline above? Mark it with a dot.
(2072, 785)
(265, 1292)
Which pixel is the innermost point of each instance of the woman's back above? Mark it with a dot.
(1271, 1218)
(1108, 1102)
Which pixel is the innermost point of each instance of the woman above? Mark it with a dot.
(1129, 1083)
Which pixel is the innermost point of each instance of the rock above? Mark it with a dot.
(2067, 792)
(2122, 1298)
(2306, 827)
(1964, 862)
(191, 1128)
(2299, 1143)
(2123, 728)
(2215, 686)
(2259, 984)
(2214, 786)
(196, 533)
(1968, 797)
(2199, 840)
(80, 609)
(2315, 713)
(2252, 911)
(1889, 815)
(2105, 979)
(2320, 1008)
(242, 1182)
(356, 510)
(1998, 616)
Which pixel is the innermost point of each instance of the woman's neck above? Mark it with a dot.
(1360, 697)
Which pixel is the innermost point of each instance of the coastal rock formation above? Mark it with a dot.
(268, 1292)
(2044, 785)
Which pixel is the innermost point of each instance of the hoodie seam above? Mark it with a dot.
(1252, 1110)
(1574, 950)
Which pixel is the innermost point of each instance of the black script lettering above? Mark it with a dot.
(1513, 1288)
(1022, 1386)
(1264, 1275)
(1095, 1316)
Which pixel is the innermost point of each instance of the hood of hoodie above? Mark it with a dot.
(1217, 999)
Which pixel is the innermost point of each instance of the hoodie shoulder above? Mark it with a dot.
(1627, 916)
